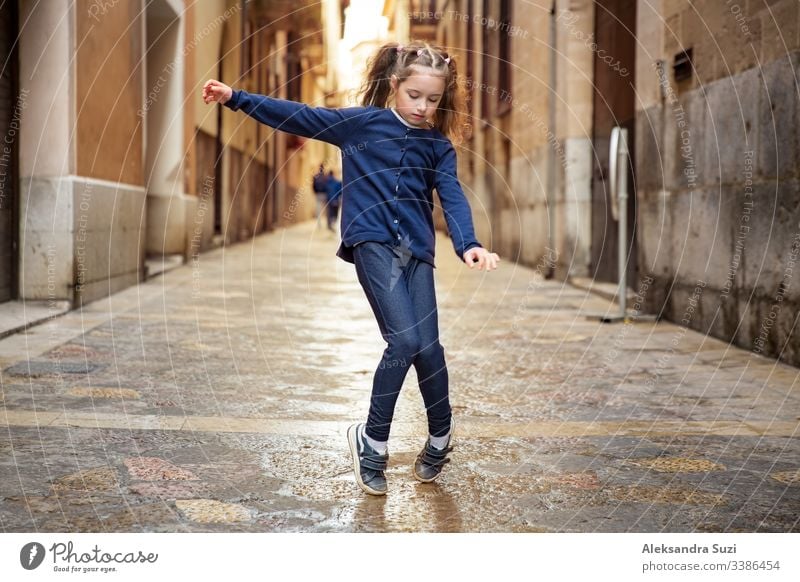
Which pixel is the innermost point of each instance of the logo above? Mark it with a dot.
(31, 555)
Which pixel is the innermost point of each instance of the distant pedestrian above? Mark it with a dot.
(400, 150)
(334, 192)
(320, 186)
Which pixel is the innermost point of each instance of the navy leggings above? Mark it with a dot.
(400, 290)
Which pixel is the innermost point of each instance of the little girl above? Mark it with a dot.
(398, 150)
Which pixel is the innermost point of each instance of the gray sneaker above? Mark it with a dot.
(431, 460)
(368, 465)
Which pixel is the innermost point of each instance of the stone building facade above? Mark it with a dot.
(708, 92)
(718, 166)
(115, 162)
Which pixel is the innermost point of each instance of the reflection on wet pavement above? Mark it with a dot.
(216, 398)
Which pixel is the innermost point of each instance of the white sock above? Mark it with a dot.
(380, 446)
(440, 442)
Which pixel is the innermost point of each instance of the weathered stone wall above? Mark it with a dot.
(719, 216)
(729, 36)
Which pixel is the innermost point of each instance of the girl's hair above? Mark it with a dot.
(398, 59)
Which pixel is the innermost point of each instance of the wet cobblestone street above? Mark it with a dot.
(216, 398)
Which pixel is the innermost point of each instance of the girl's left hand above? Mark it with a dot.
(481, 257)
(214, 90)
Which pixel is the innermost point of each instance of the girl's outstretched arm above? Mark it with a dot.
(457, 212)
(331, 125)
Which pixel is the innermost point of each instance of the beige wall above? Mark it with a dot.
(109, 84)
(163, 115)
(191, 89)
(206, 17)
(650, 48)
(81, 234)
(105, 165)
(528, 126)
(46, 137)
(572, 151)
(505, 168)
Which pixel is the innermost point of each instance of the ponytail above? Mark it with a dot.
(377, 88)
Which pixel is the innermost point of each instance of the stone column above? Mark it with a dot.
(47, 153)
(163, 119)
(575, 75)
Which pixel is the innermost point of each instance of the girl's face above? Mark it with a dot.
(417, 98)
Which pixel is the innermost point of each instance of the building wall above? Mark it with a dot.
(82, 199)
(207, 23)
(717, 168)
(108, 190)
(11, 102)
(506, 165)
(109, 78)
(718, 171)
(165, 148)
(277, 167)
(572, 150)
(525, 221)
(118, 156)
(46, 259)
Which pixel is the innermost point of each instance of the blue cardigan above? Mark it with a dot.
(389, 169)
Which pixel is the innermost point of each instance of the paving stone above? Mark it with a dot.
(677, 465)
(101, 392)
(666, 495)
(34, 369)
(150, 517)
(89, 480)
(578, 480)
(153, 468)
(211, 511)
(170, 490)
(788, 477)
(73, 352)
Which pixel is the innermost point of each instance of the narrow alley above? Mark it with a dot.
(216, 398)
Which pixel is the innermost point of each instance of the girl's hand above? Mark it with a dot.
(481, 257)
(213, 90)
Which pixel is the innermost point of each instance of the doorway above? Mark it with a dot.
(9, 128)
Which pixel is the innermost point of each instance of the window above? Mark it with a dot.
(294, 77)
